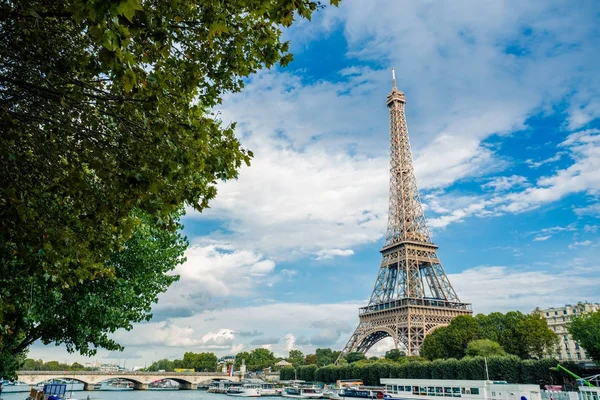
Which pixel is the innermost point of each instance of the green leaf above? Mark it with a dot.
(129, 80)
(127, 8)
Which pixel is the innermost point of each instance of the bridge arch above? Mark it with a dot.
(371, 337)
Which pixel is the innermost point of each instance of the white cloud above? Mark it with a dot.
(223, 338)
(214, 274)
(592, 209)
(541, 238)
(504, 289)
(330, 253)
(291, 204)
(503, 183)
(583, 243)
(579, 177)
(554, 158)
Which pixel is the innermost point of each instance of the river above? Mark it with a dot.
(140, 395)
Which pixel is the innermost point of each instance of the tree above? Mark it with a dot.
(200, 362)
(325, 357)
(538, 339)
(260, 359)
(83, 316)
(585, 330)
(484, 348)
(239, 357)
(311, 359)
(522, 335)
(355, 356)
(77, 367)
(161, 365)
(433, 346)
(105, 109)
(394, 354)
(296, 358)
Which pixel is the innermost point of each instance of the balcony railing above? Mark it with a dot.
(414, 302)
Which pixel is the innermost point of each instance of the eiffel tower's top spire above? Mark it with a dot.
(406, 220)
(395, 94)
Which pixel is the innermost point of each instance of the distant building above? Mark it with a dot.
(558, 318)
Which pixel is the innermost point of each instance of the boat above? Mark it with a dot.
(14, 386)
(268, 389)
(244, 390)
(50, 391)
(589, 393)
(114, 384)
(350, 393)
(219, 386)
(408, 389)
(302, 392)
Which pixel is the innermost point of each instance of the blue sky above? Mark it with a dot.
(503, 112)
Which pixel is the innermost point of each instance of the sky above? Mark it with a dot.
(503, 112)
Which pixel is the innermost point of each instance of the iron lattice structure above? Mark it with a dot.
(412, 294)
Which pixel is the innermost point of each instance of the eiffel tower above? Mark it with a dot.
(412, 294)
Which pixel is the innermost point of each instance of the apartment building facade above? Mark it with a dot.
(558, 318)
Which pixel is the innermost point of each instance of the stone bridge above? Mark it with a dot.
(141, 380)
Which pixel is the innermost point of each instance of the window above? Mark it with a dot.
(564, 311)
(563, 318)
(566, 338)
(579, 356)
(576, 346)
(448, 392)
(407, 389)
(555, 312)
(462, 390)
(547, 314)
(456, 392)
(439, 391)
(474, 390)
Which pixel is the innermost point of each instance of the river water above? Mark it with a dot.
(139, 395)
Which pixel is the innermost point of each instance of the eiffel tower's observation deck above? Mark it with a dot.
(412, 295)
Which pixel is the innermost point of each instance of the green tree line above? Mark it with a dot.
(507, 368)
(39, 365)
(523, 335)
(199, 362)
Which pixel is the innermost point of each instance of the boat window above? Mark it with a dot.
(430, 390)
(456, 392)
(415, 390)
(407, 388)
(448, 392)
(439, 391)
(474, 390)
(462, 390)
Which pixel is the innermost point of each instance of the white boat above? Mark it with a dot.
(422, 389)
(268, 389)
(302, 392)
(244, 390)
(219, 386)
(13, 387)
(589, 393)
(115, 384)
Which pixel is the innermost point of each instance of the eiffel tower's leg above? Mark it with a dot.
(352, 342)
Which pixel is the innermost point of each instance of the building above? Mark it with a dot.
(558, 318)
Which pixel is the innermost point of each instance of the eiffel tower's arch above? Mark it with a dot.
(412, 295)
